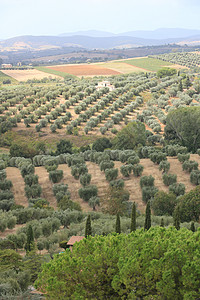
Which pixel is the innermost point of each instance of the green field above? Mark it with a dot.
(54, 72)
(150, 64)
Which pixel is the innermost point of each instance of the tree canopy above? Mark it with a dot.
(153, 264)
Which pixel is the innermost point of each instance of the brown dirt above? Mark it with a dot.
(84, 70)
(14, 175)
(73, 186)
(46, 185)
(11, 231)
(24, 75)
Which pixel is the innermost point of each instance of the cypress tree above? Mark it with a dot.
(176, 217)
(180, 86)
(30, 239)
(192, 228)
(88, 228)
(133, 217)
(147, 223)
(118, 225)
(162, 224)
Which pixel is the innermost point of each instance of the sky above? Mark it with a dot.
(54, 17)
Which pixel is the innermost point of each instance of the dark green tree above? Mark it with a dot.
(176, 217)
(192, 227)
(30, 239)
(88, 227)
(162, 224)
(118, 224)
(147, 223)
(180, 86)
(133, 217)
(64, 146)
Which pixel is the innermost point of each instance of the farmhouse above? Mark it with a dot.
(105, 83)
(6, 66)
(73, 240)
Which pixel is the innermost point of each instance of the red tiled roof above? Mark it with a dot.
(75, 239)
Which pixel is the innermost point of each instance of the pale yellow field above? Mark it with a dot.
(122, 67)
(24, 75)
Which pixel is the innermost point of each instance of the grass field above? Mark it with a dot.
(24, 75)
(149, 64)
(120, 67)
(53, 72)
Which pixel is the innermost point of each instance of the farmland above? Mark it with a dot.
(149, 64)
(75, 147)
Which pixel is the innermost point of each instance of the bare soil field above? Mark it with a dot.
(24, 75)
(85, 70)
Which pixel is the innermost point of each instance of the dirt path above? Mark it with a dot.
(15, 176)
(46, 185)
(73, 187)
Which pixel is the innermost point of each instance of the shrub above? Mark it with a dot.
(111, 174)
(183, 157)
(5, 185)
(56, 176)
(190, 165)
(118, 184)
(101, 144)
(164, 166)
(148, 192)
(169, 179)
(106, 165)
(87, 192)
(33, 191)
(133, 160)
(2, 175)
(67, 204)
(177, 188)
(27, 169)
(126, 170)
(146, 181)
(195, 177)
(78, 170)
(157, 157)
(31, 179)
(85, 179)
(94, 201)
(137, 170)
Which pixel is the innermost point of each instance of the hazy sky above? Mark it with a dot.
(52, 17)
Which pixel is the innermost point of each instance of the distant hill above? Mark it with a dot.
(94, 39)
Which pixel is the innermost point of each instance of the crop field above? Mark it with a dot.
(4, 77)
(121, 67)
(24, 75)
(84, 70)
(149, 64)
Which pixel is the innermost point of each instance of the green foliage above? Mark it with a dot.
(183, 157)
(190, 165)
(183, 125)
(63, 244)
(130, 136)
(133, 217)
(177, 188)
(87, 192)
(94, 201)
(189, 206)
(126, 170)
(88, 227)
(127, 258)
(66, 203)
(163, 203)
(56, 176)
(176, 216)
(101, 144)
(137, 170)
(169, 179)
(164, 166)
(30, 239)
(118, 224)
(147, 223)
(148, 193)
(157, 157)
(64, 146)
(111, 174)
(195, 177)
(166, 72)
(147, 181)
(85, 179)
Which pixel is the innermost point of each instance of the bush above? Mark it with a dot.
(5, 185)
(78, 170)
(106, 165)
(94, 201)
(164, 166)
(148, 192)
(2, 175)
(146, 181)
(67, 204)
(85, 179)
(31, 179)
(118, 184)
(137, 170)
(177, 188)
(101, 144)
(183, 157)
(33, 191)
(169, 179)
(27, 169)
(133, 160)
(195, 177)
(126, 170)
(56, 176)
(190, 165)
(87, 192)
(111, 174)
(157, 157)
(163, 203)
